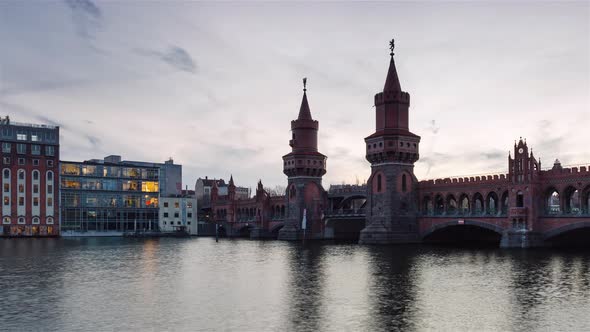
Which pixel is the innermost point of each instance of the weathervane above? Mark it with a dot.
(304, 84)
(391, 46)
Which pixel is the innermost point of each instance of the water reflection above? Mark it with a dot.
(242, 285)
(392, 288)
(305, 285)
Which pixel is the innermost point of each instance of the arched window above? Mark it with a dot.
(464, 203)
(6, 220)
(35, 220)
(21, 174)
(379, 185)
(404, 184)
(49, 176)
(49, 220)
(21, 220)
(553, 202)
(6, 173)
(35, 175)
(519, 199)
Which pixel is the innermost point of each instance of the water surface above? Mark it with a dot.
(241, 285)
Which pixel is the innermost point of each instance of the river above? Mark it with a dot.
(196, 284)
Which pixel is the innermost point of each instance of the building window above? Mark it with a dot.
(176, 205)
(35, 189)
(35, 162)
(178, 222)
(6, 200)
(49, 220)
(21, 148)
(21, 188)
(21, 220)
(49, 201)
(6, 160)
(164, 223)
(189, 205)
(379, 185)
(36, 220)
(6, 173)
(165, 214)
(6, 187)
(176, 215)
(36, 149)
(189, 215)
(21, 174)
(35, 175)
(49, 163)
(35, 137)
(6, 148)
(35, 201)
(21, 136)
(49, 176)
(50, 150)
(404, 184)
(6, 220)
(21, 201)
(165, 204)
(50, 189)
(21, 161)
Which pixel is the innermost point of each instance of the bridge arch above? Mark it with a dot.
(492, 203)
(571, 202)
(470, 232)
(574, 234)
(552, 199)
(451, 205)
(586, 200)
(244, 231)
(478, 207)
(464, 206)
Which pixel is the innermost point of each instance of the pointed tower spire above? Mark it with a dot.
(231, 180)
(304, 112)
(392, 81)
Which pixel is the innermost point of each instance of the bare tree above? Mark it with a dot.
(277, 190)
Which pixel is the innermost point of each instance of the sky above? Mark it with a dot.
(215, 85)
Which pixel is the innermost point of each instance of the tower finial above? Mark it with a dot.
(304, 84)
(391, 46)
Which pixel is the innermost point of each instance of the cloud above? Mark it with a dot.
(86, 16)
(175, 56)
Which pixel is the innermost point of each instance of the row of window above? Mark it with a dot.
(299, 161)
(22, 149)
(23, 161)
(23, 135)
(21, 220)
(177, 215)
(178, 223)
(109, 184)
(177, 205)
(390, 143)
(21, 175)
(21, 201)
(109, 171)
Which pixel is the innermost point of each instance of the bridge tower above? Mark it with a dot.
(304, 167)
(392, 150)
(523, 198)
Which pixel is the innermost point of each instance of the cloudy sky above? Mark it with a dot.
(215, 85)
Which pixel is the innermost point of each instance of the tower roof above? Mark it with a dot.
(392, 80)
(231, 180)
(304, 112)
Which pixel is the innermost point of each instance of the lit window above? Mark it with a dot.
(176, 205)
(6, 220)
(149, 186)
(6, 200)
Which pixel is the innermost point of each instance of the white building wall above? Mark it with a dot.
(177, 212)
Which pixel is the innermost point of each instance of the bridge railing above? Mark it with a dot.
(345, 212)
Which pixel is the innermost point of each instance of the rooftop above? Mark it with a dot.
(30, 125)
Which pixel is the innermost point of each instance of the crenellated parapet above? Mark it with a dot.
(386, 97)
(490, 179)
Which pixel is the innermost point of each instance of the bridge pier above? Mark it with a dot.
(521, 239)
(377, 233)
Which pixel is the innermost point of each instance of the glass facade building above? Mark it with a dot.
(100, 196)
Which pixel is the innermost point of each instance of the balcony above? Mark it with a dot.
(518, 212)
